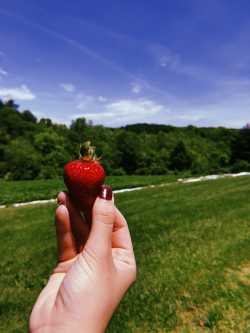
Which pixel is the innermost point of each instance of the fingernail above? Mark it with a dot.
(60, 200)
(60, 203)
(106, 192)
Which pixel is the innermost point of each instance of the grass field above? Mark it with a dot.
(192, 244)
(21, 191)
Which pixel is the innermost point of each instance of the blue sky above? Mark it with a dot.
(120, 62)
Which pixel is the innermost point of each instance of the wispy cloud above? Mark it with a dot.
(229, 97)
(103, 30)
(136, 88)
(169, 60)
(3, 72)
(74, 43)
(68, 87)
(19, 93)
(164, 57)
(84, 102)
(173, 62)
(87, 51)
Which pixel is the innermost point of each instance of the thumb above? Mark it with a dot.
(103, 218)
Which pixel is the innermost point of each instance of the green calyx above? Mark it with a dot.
(87, 152)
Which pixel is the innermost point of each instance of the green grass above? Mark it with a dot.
(192, 244)
(21, 191)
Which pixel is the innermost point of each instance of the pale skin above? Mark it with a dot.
(96, 266)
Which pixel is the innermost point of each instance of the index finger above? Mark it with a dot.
(79, 226)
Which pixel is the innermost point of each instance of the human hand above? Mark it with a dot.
(96, 266)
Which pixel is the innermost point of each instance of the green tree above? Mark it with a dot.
(77, 130)
(137, 148)
(28, 116)
(51, 147)
(12, 122)
(129, 147)
(181, 158)
(22, 160)
(241, 146)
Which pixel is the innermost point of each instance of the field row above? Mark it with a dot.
(192, 245)
(23, 191)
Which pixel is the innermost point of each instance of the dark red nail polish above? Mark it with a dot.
(60, 202)
(106, 192)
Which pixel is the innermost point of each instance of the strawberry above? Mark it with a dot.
(84, 178)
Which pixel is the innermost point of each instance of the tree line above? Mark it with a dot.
(38, 149)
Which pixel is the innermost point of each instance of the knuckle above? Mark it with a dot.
(105, 213)
(59, 215)
(59, 211)
(133, 273)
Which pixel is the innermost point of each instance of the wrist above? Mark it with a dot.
(67, 329)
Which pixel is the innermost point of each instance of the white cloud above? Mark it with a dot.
(3, 72)
(136, 87)
(164, 56)
(102, 99)
(68, 87)
(173, 62)
(89, 102)
(169, 60)
(131, 108)
(85, 101)
(19, 93)
(122, 111)
(188, 117)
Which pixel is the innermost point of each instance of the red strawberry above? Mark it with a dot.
(84, 178)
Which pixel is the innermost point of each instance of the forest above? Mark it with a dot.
(38, 149)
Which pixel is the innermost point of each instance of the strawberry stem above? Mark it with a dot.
(87, 152)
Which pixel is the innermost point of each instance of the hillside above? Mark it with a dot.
(38, 149)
